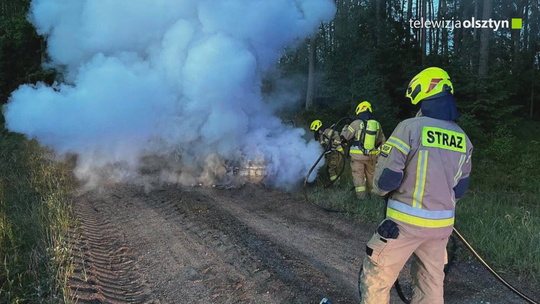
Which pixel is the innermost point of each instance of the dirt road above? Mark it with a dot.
(248, 245)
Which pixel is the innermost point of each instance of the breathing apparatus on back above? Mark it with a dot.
(366, 136)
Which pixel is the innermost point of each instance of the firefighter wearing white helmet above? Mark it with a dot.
(423, 170)
(364, 136)
(334, 155)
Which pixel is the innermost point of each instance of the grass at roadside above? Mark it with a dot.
(35, 215)
(505, 232)
(340, 197)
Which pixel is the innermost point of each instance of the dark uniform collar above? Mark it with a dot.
(442, 106)
(365, 116)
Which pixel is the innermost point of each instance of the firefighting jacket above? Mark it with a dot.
(425, 164)
(329, 135)
(352, 134)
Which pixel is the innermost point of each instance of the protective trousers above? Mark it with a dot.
(362, 168)
(334, 161)
(386, 257)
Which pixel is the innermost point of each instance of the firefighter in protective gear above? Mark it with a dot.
(423, 170)
(331, 143)
(364, 136)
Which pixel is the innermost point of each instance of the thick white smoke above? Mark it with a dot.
(166, 77)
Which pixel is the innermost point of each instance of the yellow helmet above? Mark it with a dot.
(362, 107)
(429, 82)
(315, 125)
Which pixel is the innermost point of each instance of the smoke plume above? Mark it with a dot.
(175, 79)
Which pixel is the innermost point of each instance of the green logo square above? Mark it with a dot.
(517, 23)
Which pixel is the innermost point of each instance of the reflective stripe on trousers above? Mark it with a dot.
(419, 217)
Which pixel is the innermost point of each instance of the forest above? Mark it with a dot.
(369, 51)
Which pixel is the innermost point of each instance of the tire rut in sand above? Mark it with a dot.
(191, 250)
(227, 270)
(104, 267)
(259, 266)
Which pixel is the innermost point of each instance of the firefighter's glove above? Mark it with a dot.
(388, 229)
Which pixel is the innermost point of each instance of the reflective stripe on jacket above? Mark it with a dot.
(430, 156)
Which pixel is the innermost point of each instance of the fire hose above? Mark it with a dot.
(327, 149)
(493, 272)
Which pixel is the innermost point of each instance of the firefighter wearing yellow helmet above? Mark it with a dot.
(423, 170)
(331, 142)
(364, 135)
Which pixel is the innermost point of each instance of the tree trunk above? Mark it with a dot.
(378, 17)
(331, 36)
(417, 16)
(423, 35)
(475, 35)
(438, 32)
(409, 17)
(444, 36)
(516, 36)
(458, 33)
(430, 36)
(311, 74)
(403, 12)
(535, 23)
(324, 41)
(532, 93)
(484, 41)
(526, 26)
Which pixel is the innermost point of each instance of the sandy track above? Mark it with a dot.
(248, 245)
